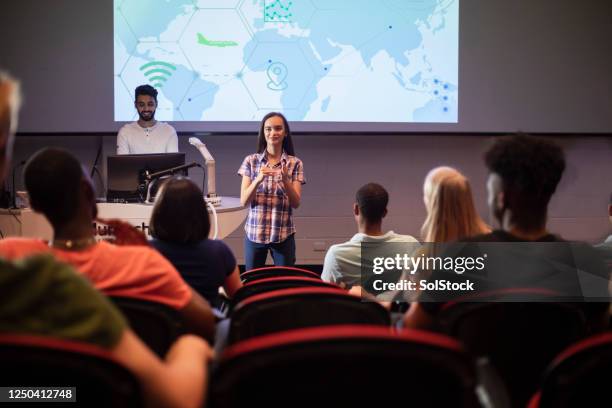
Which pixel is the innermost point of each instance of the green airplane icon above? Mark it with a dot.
(210, 43)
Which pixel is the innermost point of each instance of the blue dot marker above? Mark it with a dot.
(435, 92)
(446, 98)
(445, 109)
(189, 99)
(446, 86)
(435, 81)
(325, 68)
(390, 27)
(269, 61)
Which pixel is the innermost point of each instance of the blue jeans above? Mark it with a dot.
(283, 253)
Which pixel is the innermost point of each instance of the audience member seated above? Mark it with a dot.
(59, 188)
(451, 214)
(180, 227)
(608, 241)
(342, 263)
(605, 247)
(41, 296)
(523, 174)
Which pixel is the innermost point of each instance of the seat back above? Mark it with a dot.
(29, 361)
(519, 339)
(276, 271)
(270, 284)
(579, 376)
(294, 308)
(156, 324)
(344, 366)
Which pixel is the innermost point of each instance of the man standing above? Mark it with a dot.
(146, 135)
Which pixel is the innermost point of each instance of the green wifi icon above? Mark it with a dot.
(158, 72)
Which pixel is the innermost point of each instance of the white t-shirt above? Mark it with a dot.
(343, 261)
(134, 139)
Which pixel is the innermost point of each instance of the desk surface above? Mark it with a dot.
(27, 223)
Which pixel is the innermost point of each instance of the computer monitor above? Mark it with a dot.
(126, 174)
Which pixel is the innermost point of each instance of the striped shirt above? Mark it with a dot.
(269, 219)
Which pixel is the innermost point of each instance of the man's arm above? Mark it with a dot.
(330, 267)
(179, 381)
(417, 318)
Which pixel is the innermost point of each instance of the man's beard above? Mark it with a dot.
(145, 118)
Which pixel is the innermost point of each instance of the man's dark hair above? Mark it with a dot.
(145, 90)
(372, 200)
(53, 177)
(530, 168)
(180, 214)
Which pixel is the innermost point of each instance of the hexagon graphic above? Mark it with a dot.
(416, 5)
(124, 42)
(278, 76)
(413, 11)
(164, 24)
(165, 60)
(214, 41)
(228, 101)
(199, 97)
(290, 18)
(124, 102)
(337, 4)
(203, 4)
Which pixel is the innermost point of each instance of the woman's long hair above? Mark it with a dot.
(287, 142)
(451, 214)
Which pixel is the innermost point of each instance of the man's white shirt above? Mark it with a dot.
(342, 263)
(134, 139)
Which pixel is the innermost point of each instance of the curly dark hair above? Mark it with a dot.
(372, 200)
(530, 168)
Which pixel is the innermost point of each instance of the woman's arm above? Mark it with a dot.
(248, 187)
(232, 283)
(293, 189)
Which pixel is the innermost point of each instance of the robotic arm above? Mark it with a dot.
(209, 162)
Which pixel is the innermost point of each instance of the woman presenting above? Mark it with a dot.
(271, 187)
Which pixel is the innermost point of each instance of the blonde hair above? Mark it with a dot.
(10, 101)
(451, 214)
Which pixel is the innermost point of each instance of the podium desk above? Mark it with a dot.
(27, 223)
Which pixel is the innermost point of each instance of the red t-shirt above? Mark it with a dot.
(130, 271)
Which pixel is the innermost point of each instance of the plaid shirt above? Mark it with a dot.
(269, 219)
